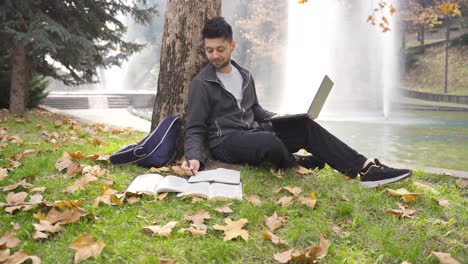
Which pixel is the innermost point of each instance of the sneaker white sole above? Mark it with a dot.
(373, 184)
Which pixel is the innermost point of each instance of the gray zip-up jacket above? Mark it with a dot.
(213, 112)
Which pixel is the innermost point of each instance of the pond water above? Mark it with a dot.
(428, 138)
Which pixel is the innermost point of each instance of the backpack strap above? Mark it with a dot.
(136, 152)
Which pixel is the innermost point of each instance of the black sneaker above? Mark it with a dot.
(376, 174)
(310, 162)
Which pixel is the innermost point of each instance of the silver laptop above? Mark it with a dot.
(316, 105)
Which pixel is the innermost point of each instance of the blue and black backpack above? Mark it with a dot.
(155, 150)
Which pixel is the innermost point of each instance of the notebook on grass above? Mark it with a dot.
(316, 105)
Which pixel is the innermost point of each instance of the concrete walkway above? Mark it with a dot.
(121, 118)
(116, 117)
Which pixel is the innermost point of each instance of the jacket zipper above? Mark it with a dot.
(219, 128)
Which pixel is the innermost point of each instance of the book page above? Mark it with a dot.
(218, 175)
(199, 189)
(220, 190)
(172, 184)
(145, 183)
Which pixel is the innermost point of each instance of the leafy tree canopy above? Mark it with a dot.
(69, 39)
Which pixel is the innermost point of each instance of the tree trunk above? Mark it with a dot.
(421, 35)
(182, 56)
(447, 39)
(19, 81)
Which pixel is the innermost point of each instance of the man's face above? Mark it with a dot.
(218, 51)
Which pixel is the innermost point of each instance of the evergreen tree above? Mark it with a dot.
(65, 39)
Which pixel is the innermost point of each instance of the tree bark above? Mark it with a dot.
(182, 56)
(19, 81)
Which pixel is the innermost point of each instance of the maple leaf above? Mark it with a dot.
(162, 230)
(337, 230)
(81, 183)
(312, 253)
(198, 218)
(132, 200)
(22, 183)
(284, 257)
(292, 190)
(274, 221)
(76, 155)
(462, 182)
(86, 247)
(177, 170)
(16, 201)
(224, 209)
(233, 229)
(68, 204)
(47, 226)
(166, 261)
(72, 215)
(285, 201)
(97, 157)
(442, 202)
(162, 196)
(253, 199)
(109, 197)
(302, 1)
(95, 141)
(402, 212)
(445, 258)
(194, 231)
(9, 239)
(309, 201)
(304, 171)
(159, 170)
(15, 139)
(3, 173)
(19, 256)
(95, 170)
(273, 238)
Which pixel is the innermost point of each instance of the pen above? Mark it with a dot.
(190, 166)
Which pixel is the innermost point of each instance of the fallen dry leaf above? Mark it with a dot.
(109, 197)
(178, 170)
(197, 199)
(292, 190)
(279, 173)
(86, 247)
(309, 201)
(444, 203)
(68, 204)
(15, 139)
(81, 183)
(47, 226)
(38, 189)
(224, 209)
(97, 157)
(313, 253)
(166, 261)
(9, 239)
(3, 173)
(304, 171)
(233, 229)
(95, 170)
(445, 258)
(22, 183)
(162, 196)
(162, 230)
(285, 201)
(425, 187)
(132, 200)
(194, 231)
(159, 170)
(284, 257)
(274, 221)
(16, 201)
(337, 230)
(407, 196)
(273, 238)
(19, 256)
(462, 182)
(198, 218)
(95, 141)
(402, 212)
(253, 199)
(68, 216)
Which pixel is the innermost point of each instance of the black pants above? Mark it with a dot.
(275, 144)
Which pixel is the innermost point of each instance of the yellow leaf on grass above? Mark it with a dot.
(86, 247)
(68, 204)
(233, 229)
(162, 230)
(407, 196)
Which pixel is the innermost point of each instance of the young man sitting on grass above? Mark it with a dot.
(223, 111)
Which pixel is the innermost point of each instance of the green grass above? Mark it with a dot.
(375, 237)
(427, 72)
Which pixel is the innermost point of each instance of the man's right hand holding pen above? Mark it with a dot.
(191, 167)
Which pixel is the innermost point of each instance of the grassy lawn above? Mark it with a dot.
(427, 73)
(363, 231)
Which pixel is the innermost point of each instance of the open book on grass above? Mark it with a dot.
(222, 184)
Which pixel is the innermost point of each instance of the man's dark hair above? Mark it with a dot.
(217, 28)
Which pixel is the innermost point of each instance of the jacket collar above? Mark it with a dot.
(210, 74)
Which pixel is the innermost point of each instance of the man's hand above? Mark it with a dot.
(191, 167)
